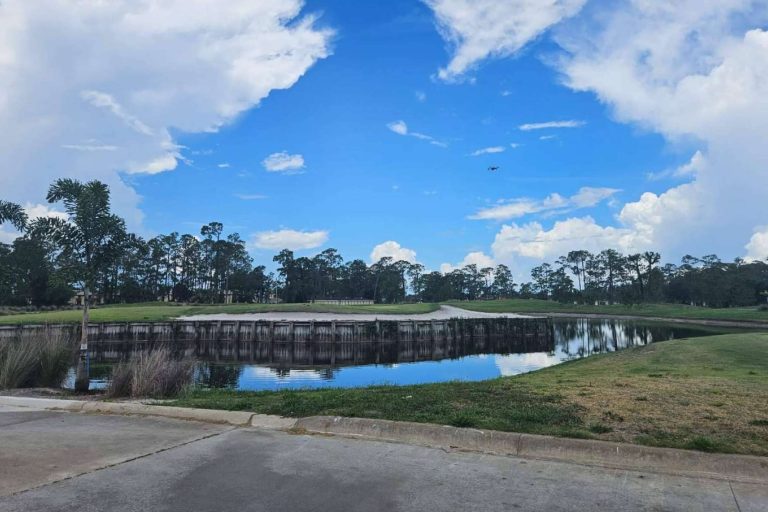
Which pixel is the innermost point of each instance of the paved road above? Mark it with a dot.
(142, 464)
(443, 313)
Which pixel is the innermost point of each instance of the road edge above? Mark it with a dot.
(605, 454)
(622, 456)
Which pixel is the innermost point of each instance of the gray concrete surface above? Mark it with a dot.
(74, 461)
(443, 313)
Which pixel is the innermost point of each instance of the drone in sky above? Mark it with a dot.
(493, 168)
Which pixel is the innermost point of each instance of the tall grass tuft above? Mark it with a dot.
(155, 374)
(40, 359)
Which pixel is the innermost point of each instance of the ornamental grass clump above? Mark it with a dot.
(39, 359)
(154, 374)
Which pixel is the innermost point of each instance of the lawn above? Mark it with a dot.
(166, 311)
(749, 314)
(707, 393)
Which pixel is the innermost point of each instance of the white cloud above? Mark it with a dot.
(488, 151)
(757, 248)
(586, 197)
(401, 128)
(514, 145)
(284, 162)
(547, 137)
(478, 258)
(551, 124)
(224, 165)
(33, 211)
(693, 71)
(421, 96)
(251, 197)
(393, 250)
(123, 73)
(478, 29)
(289, 239)
(533, 241)
(90, 147)
(687, 170)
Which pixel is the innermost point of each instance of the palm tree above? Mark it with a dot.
(14, 214)
(86, 239)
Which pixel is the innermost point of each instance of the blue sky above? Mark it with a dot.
(355, 92)
(365, 184)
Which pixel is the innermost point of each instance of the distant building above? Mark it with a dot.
(77, 299)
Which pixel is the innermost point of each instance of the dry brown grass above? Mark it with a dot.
(673, 393)
(155, 374)
(41, 359)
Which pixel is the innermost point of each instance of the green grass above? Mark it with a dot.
(707, 394)
(165, 311)
(750, 314)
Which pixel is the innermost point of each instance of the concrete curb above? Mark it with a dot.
(739, 468)
(234, 418)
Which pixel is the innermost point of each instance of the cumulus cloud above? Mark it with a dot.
(289, 239)
(478, 29)
(586, 197)
(693, 71)
(478, 258)
(283, 162)
(551, 124)
(488, 151)
(757, 248)
(401, 128)
(92, 89)
(393, 250)
(533, 241)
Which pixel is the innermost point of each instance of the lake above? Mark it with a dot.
(572, 339)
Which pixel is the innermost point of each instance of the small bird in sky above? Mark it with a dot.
(493, 168)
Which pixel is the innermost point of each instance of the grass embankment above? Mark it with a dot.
(156, 312)
(708, 394)
(750, 314)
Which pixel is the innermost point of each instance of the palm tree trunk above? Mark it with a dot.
(82, 379)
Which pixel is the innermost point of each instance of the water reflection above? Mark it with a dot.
(573, 339)
(353, 364)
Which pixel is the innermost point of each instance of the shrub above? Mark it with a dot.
(154, 374)
(17, 365)
(40, 359)
(56, 354)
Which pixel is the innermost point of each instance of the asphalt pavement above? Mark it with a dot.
(62, 461)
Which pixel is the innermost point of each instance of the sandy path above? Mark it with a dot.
(444, 313)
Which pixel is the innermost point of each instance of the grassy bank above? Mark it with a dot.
(156, 312)
(750, 314)
(708, 394)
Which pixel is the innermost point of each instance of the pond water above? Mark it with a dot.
(573, 339)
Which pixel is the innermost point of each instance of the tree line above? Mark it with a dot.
(91, 252)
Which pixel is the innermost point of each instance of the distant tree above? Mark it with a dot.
(503, 284)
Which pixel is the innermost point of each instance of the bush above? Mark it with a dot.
(154, 374)
(40, 359)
